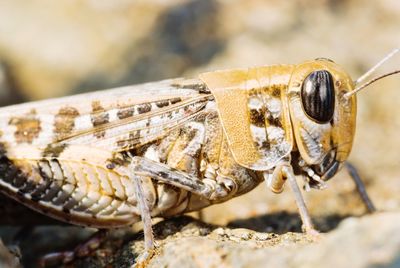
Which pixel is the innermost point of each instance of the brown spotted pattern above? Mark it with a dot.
(125, 112)
(144, 108)
(54, 150)
(27, 127)
(257, 117)
(162, 103)
(64, 121)
(275, 90)
(99, 116)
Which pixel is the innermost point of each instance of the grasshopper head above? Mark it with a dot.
(323, 119)
(322, 104)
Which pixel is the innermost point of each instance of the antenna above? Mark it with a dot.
(370, 71)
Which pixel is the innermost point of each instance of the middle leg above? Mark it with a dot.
(360, 187)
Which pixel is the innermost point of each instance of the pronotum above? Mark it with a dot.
(115, 157)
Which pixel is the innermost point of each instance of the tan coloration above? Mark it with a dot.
(315, 140)
(213, 140)
(234, 91)
(64, 121)
(27, 127)
(96, 106)
(242, 179)
(186, 150)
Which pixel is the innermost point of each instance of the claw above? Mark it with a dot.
(313, 234)
(143, 259)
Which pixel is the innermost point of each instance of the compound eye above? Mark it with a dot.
(318, 96)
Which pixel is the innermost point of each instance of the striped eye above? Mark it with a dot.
(318, 96)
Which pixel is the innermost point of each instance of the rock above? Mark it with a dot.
(357, 242)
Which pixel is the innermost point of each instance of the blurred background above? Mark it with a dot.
(56, 48)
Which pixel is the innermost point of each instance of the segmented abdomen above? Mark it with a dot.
(71, 191)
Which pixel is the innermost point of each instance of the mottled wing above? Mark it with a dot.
(252, 106)
(124, 134)
(114, 120)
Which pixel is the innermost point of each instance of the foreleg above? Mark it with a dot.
(308, 226)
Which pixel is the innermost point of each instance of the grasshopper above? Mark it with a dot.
(112, 158)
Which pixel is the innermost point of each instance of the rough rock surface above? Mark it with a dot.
(369, 241)
(356, 241)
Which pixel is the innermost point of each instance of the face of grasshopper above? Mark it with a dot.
(323, 119)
